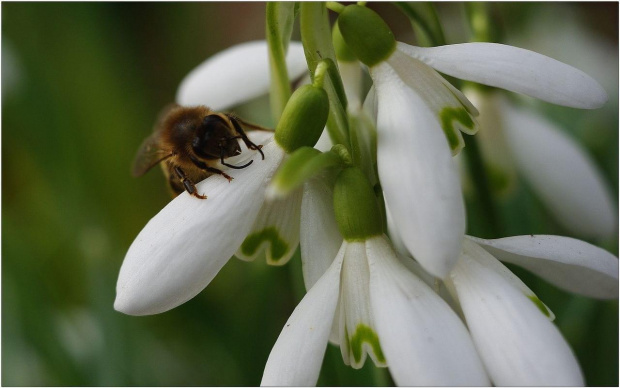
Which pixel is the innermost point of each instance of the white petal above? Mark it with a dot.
(397, 240)
(561, 173)
(491, 263)
(236, 75)
(405, 257)
(424, 342)
(324, 143)
(296, 358)
(434, 283)
(184, 246)
(351, 74)
(370, 104)
(568, 263)
(418, 176)
(514, 69)
(275, 231)
(320, 238)
(517, 343)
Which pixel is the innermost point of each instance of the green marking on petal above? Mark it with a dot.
(279, 247)
(450, 114)
(455, 139)
(541, 306)
(366, 334)
(449, 117)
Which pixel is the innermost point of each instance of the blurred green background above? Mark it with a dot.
(81, 86)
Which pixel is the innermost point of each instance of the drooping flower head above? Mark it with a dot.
(370, 304)
(420, 116)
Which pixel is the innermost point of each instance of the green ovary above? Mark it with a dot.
(270, 235)
(366, 334)
(541, 306)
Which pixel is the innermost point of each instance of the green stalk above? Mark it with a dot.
(317, 40)
(482, 27)
(280, 17)
(425, 21)
(381, 377)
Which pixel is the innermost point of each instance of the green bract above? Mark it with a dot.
(303, 119)
(302, 165)
(366, 34)
(355, 206)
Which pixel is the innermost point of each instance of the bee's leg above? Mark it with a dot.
(189, 186)
(210, 169)
(220, 172)
(244, 137)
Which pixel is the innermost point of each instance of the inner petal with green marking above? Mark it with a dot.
(270, 235)
(275, 231)
(454, 112)
(357, 332)
(453, 120)
(365, 339)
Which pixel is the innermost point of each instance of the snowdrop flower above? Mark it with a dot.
(378, 307)
(185, 245)
(420, 116)
(510, 326)
(564, 177)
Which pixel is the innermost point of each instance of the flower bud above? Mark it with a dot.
(303, 119)
(366, 34)
(355, 206)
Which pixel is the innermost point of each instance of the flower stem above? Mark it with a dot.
(316, 37)
(381, 377)
(279, 21)
(424, 19)
(479, 18)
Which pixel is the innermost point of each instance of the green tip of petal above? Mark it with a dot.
(452, 119)
(541, 306)
(365, 334)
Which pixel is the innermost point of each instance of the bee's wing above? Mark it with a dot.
(150, 152)
(148, 156)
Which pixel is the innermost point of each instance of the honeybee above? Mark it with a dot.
(190, 141)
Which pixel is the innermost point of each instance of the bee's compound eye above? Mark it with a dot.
(205, 142)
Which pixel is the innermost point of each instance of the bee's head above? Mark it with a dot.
(214, 139)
